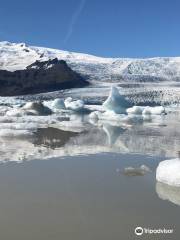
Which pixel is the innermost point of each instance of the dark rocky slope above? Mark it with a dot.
(40, 77)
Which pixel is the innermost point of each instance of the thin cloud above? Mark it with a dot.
(74, 19)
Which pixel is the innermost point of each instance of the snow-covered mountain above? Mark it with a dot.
(17, 56)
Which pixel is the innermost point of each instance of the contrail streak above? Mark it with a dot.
(74, 20)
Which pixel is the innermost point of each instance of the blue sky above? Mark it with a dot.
(124, 28)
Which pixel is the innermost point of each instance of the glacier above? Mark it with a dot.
(16, 56)
(149, 81)
(127, 107)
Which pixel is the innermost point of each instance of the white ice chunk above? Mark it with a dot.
(168, 172)
(14, 133)
(37, 108)
(116, 102)
(77, 105)
(92, 108)
(153, 110)
(58, 103)
(30, 108)
(16, 113)
(135, 110)
(94, 115)
(138, 110)
(111, 116)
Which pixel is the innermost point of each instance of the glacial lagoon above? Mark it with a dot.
(69, 179)
(80, 173)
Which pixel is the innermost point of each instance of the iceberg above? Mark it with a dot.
(116, 102)
(30, 108)
(137, 110)
(58, 103)
(111, 116)
(77, 105)
(37, 108)
(159, 110)
(16, 113)
(94, 115)
(168, 172)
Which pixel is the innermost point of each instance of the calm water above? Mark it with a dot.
(84, 197)
(76, 187)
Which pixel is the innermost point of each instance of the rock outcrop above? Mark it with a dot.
(40, 77)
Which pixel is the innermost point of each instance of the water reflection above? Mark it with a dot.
(160, 137)
(166, 192)
(52, 137)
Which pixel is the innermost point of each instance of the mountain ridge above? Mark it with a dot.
(17, 56)
(40, 77)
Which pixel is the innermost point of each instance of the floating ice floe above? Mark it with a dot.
(169, 193)
(14, 133)
(37, 108)
(168, 172)
(111, 116)
(76, 106)
(58, 103)
(16, 112)
(30, 108)
(94, 115)
(140, 110)
(18, 126)
(141, 171)
(154, 110)
(137, 110)
(116, 102)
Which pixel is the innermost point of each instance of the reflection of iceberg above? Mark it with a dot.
(82, 138)
(168, 172)
(166, 192)
(113, 132)
(52, 137)
(116, 102)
